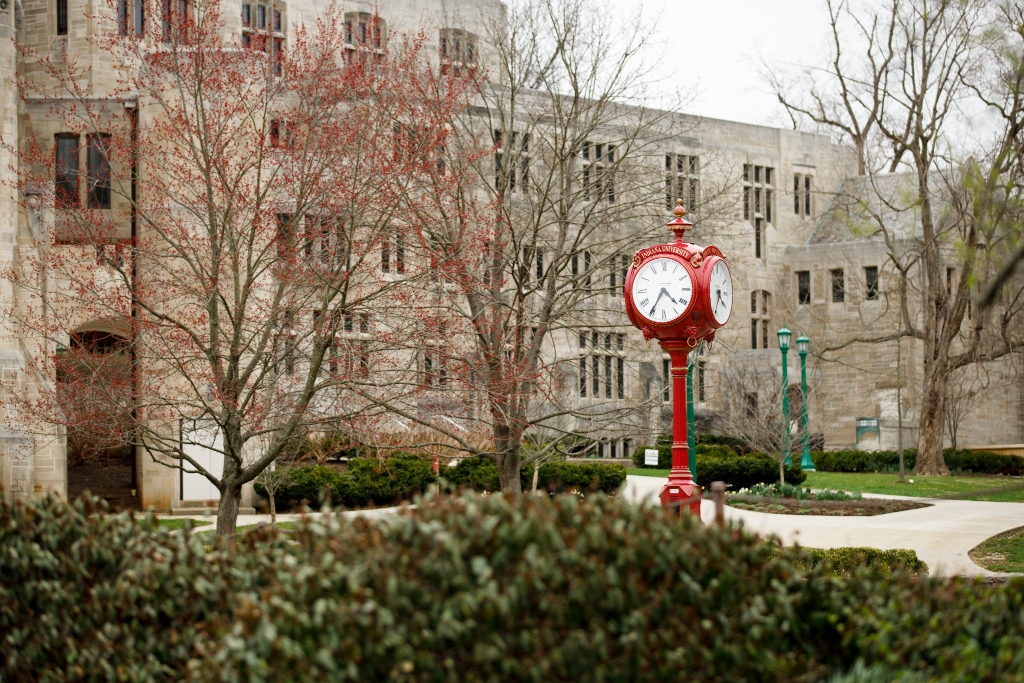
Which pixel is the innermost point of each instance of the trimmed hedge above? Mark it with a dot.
(740, 472)
(477, 589)
(480, 473)
(849, 560)
(367, 480)
(959, 461)
(716, 462)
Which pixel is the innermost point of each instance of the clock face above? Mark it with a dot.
(662, 290)
(720, 292)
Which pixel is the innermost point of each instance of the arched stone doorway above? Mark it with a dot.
(95, 392)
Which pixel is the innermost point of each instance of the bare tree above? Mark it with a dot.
(564, 179)
(921, 62)
(251, 274)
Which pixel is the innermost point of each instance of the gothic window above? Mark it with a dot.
(263, 28)
(838, 286)
(760, 319)
(66, 180)
(871, 283)
(758, 203)
(365, 35)
(598, 161)
(803, 286)
(174, 15)
(511, 162)
(62, 17)
(802, 195)
(602, 365)
(457, 48)
(98, 171)
(682, 181)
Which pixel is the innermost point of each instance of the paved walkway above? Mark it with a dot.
(942, 534)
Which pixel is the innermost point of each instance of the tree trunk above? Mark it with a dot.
(227, 512)
(536, 477)
(507, 459)
(929, 440)
(273, 507)
(782, 471)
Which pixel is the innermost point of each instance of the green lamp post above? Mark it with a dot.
(806, 464)
(784, 336)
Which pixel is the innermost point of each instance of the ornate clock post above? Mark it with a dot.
(679, 293)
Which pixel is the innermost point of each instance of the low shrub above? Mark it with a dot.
(958, 461)
(744, 471)
(367, 480)
(790, 491)
(665, 453)
(479, 588)
(716, 462)
(848, 560)
(580, 476)
(303, 485)
(481, 474)
(478, 473)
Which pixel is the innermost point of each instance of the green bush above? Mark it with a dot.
(478, 473)
(665, 453)
(720, 463)
(848, 560)
(959, 461)
(367, 480)
(563, 476)
(480, 588)
(742, 472)
(481, 474)
(393, 479)
(303, 485)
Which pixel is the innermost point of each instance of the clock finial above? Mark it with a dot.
(680, 225)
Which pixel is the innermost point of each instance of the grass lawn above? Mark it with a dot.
(284, 526)
(1002, 489)
(175, 524)
(643, 472)
(998, 489)
(1002, 553)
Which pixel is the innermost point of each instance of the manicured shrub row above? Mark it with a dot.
(480, 588)
(961, 461)
(849, 560)
(481, 474)
(719, 463)
(367, 480)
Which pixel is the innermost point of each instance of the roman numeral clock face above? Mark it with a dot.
(662, 290)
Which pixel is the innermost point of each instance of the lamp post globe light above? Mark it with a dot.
(806, 463)
(679, 293)
(784, 336)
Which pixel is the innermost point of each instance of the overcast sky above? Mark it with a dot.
(719, 43)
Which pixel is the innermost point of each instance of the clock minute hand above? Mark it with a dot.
(660, 294)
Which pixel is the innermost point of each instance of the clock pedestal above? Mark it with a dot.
(681, 491)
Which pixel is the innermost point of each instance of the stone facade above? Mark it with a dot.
(776, 186)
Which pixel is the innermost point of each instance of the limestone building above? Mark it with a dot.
(791, 265)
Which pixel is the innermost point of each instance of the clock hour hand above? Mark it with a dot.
(718, 301)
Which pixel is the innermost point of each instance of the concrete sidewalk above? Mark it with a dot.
(942, 535)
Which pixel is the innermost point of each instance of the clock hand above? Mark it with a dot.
(718, 301)
(669, 296)
(662, 292)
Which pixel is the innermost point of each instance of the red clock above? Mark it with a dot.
(679, 291)
(679, 294)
